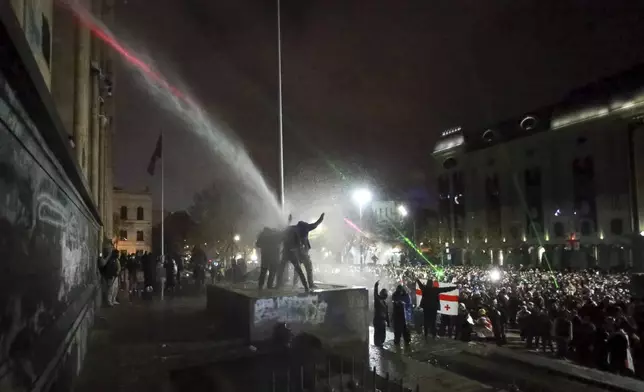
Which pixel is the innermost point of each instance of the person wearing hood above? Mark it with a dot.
(401, 302)
(380, 315)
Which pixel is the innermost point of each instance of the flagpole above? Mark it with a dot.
(281, 123)
(162, 202)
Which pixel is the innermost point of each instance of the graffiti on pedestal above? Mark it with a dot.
(296, 309)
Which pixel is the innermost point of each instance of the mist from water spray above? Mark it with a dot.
(198, 121)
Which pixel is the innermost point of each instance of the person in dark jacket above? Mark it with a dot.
(430, 303)
(110, 273)
(268, 242)
(380, 315)
(199, 260)
(303, 230)
(291, 252)
(401, 301)
(563, 333)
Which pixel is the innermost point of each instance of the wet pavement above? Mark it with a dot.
(175, 344)
(491, 367)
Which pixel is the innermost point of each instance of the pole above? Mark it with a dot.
(162, 202)
(361, 240)
(281, 122)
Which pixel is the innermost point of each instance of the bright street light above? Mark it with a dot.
(402, 210)
(236, 238)
(362, 197)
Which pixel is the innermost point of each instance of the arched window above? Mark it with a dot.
(489, 136)
(123, 213)
(528, 123)
(139, 213)
(449, 163)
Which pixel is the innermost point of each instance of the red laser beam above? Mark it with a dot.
(126, 54)
(353, 226)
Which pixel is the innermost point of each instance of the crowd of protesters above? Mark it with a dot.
(137, 274)
(586, 316)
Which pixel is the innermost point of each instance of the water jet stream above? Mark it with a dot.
(193, 116)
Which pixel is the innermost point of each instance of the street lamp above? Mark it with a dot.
(362, 197)
(402, 210)
(236, 238)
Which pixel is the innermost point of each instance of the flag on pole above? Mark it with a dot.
(155, 155)
(449, 300)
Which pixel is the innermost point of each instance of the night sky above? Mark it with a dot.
(368, 85)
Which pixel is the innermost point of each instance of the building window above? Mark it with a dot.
(489, 136)
(123, 235)
(139, 235)
(139, 213)
(449, 163)
(46, 40)
(514, 232)
(559, 230)
(123, 213)
(617, 226)
(586, 229)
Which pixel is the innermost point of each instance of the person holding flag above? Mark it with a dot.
(431, 304)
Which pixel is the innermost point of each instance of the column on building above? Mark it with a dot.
(107, 13)
(94, 120)
(82, 97)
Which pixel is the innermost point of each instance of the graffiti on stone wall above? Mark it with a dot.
(48, 241)
(296, 309)
(33, 26)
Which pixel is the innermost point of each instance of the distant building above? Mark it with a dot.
(133, 221)
(562, 184)
(384, 211)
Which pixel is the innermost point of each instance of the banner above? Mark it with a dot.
(449, 300)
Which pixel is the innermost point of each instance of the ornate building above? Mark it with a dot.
(561, 184)
(133, 221)
(55, 188)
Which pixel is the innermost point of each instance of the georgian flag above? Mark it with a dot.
(449, 300)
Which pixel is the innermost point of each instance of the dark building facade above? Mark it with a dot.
(50, 213)
(560, 185)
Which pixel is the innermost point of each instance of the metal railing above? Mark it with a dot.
(337, 374)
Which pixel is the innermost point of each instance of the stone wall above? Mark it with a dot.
(48, 250)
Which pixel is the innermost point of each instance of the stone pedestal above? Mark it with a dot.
(334, 314)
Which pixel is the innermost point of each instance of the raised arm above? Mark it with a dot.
(314, 225)
(375, 289)
(420, 284)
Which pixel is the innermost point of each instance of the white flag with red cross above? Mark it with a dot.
(449, 300)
